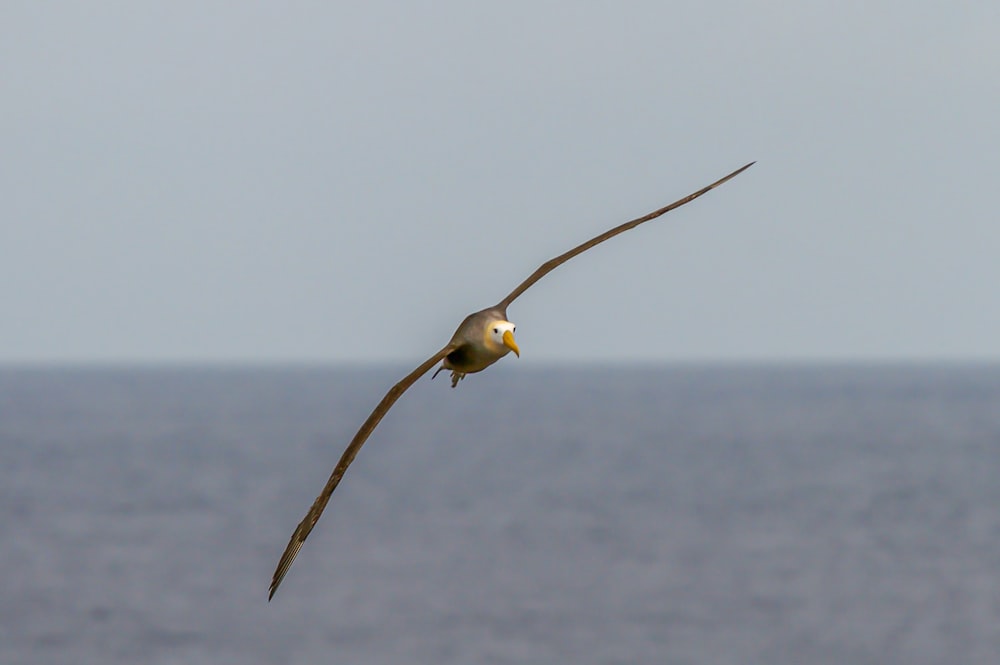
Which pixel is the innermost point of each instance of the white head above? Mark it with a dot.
(500, 336)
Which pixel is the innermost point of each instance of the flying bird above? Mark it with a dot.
(483, 338)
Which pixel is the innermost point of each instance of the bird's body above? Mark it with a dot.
(481, 339)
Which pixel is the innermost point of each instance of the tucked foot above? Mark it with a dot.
(456, 377)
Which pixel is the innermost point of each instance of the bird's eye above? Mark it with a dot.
(496, 330)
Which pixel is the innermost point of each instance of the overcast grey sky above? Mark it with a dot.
(235, 181)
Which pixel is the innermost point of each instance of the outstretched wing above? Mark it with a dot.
(307, 524)
(552, 264)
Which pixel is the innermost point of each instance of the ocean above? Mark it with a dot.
(676, 515)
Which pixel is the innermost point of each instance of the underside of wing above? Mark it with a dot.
(309, 521)
(552, 264)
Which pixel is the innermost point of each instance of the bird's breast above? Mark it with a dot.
(468, 358)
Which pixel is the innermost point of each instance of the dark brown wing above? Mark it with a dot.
(307, 524)
(552, 264)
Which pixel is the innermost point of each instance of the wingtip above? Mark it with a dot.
(279, 575)
(288, 556)
(727, 178)
(273, 588)
(275, 583)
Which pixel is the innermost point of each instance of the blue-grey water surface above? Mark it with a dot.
(755, 515)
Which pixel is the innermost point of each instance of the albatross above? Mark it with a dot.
(483, 338)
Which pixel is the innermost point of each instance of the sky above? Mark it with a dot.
(308, 182)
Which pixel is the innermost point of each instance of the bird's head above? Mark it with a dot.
(500, 335)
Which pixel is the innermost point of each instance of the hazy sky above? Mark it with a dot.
(294, 181)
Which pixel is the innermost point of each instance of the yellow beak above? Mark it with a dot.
(508, 341)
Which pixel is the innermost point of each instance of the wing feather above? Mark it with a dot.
(309, 521)
(552, 264)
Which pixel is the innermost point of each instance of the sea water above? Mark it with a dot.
(751, 515)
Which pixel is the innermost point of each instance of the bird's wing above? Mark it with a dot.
(552, 264)
(307, 524)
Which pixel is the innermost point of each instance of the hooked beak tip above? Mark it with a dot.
(508, 341)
